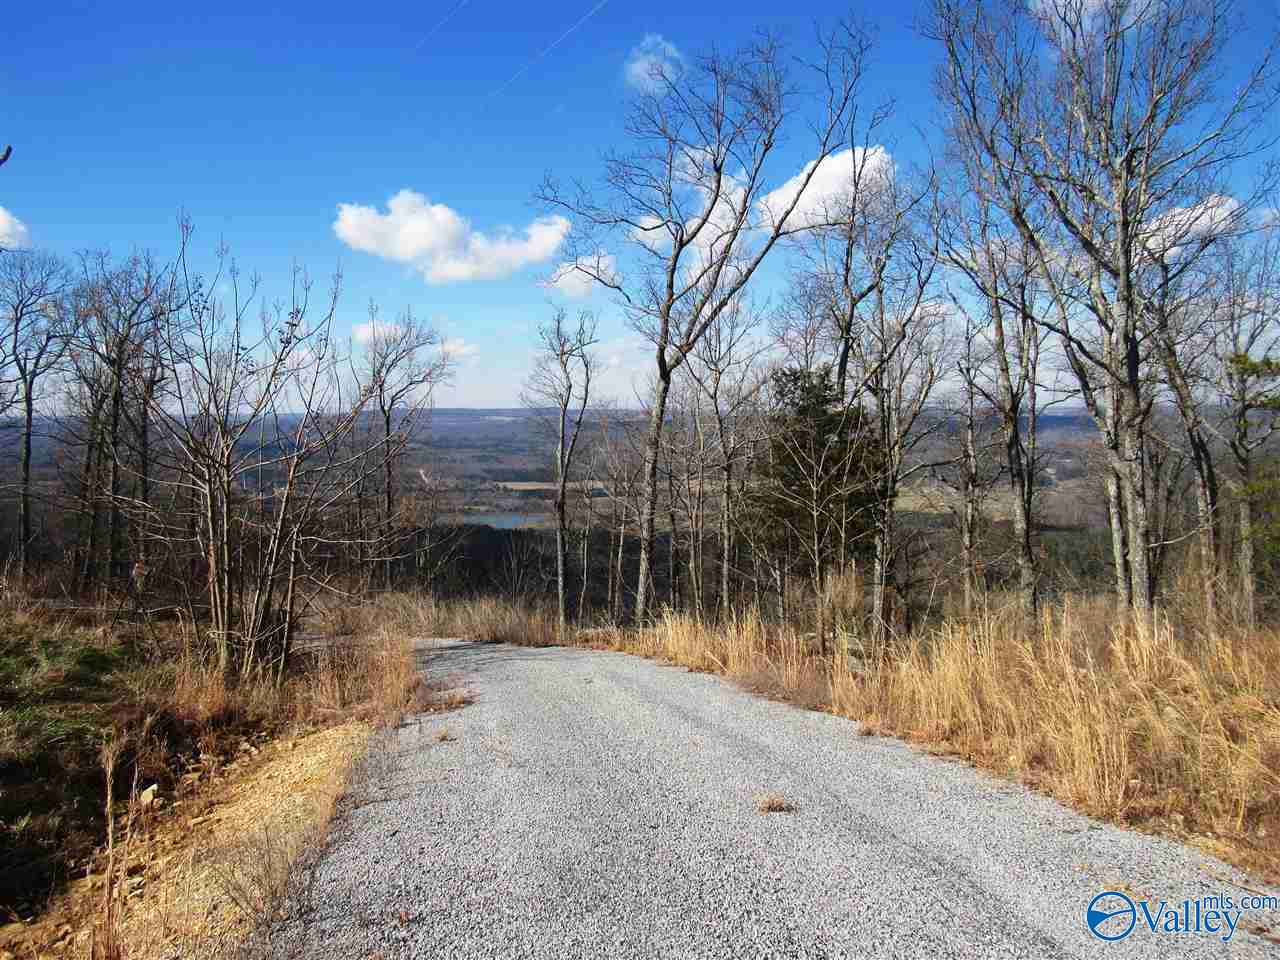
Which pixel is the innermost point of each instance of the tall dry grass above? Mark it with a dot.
(1125, 717)
(1158, 722)
(485, 619)
(372, 676)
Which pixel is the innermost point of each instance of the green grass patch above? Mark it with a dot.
(60, 690)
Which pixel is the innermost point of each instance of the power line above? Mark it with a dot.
(559, 40)
(443, 20)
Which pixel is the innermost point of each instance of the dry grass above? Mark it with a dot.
(65, 689)
(775, 803)
(1129, 720)
(199, 884)
(1161, 723)
(486, 619)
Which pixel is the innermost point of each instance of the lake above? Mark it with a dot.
(503, 521)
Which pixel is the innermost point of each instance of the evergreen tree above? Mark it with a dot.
(818, 486)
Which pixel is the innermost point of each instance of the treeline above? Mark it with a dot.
(1098, 228)
(213, 450)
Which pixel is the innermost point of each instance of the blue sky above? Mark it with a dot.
(260, 121)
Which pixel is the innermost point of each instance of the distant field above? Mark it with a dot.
(1067, 498)
(524, 486)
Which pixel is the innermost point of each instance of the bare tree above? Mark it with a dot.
(1245, 385)
(725, 369)
(255, 422)
(901, 355)
(969, 474)
(399, 374)
(1001, 274)
(36, 329)
(119, 310)
(695, 203)
(561, 381)
(1108, 138)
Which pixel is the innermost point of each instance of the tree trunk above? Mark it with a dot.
(388, 496)
(1137, 511)
(610, 584)
(115, 538)
(649, 497)
(674, 593)
(1245, 559)
(1207, 515)
(561, 549)
(726, 541)
(586, 554)
(1119, 539)
(1028, 588)
(24, 498)
(969, 513)
(619, 579)
(144, 468)
(881, 576)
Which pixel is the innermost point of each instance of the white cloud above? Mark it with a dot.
(365, 332)
(626, 363)
(441, 243)
(651, 62)
(13, 232)
(831, 191)
(1211, 217)
(455, 348)
(576, 278)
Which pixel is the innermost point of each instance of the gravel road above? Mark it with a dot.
(599, 805)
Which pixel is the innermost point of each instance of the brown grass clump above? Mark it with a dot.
(484, 619)
(775, 803)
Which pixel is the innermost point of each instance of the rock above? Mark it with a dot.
(147, 798)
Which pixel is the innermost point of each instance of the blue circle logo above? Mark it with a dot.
(1111, 915)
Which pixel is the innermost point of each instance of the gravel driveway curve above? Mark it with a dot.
(598, 805)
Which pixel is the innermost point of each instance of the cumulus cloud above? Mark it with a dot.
(443, 244)
(625, 362)
(366, 332)
(832, 189)
(650, 62)
(1180, 227)
(13, 232)
(455, 348)
(576, 278)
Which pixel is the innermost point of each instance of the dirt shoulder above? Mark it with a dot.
(193, 877)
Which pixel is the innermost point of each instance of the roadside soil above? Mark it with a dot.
(195, 873)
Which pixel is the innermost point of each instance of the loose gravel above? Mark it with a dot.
(599, 805)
